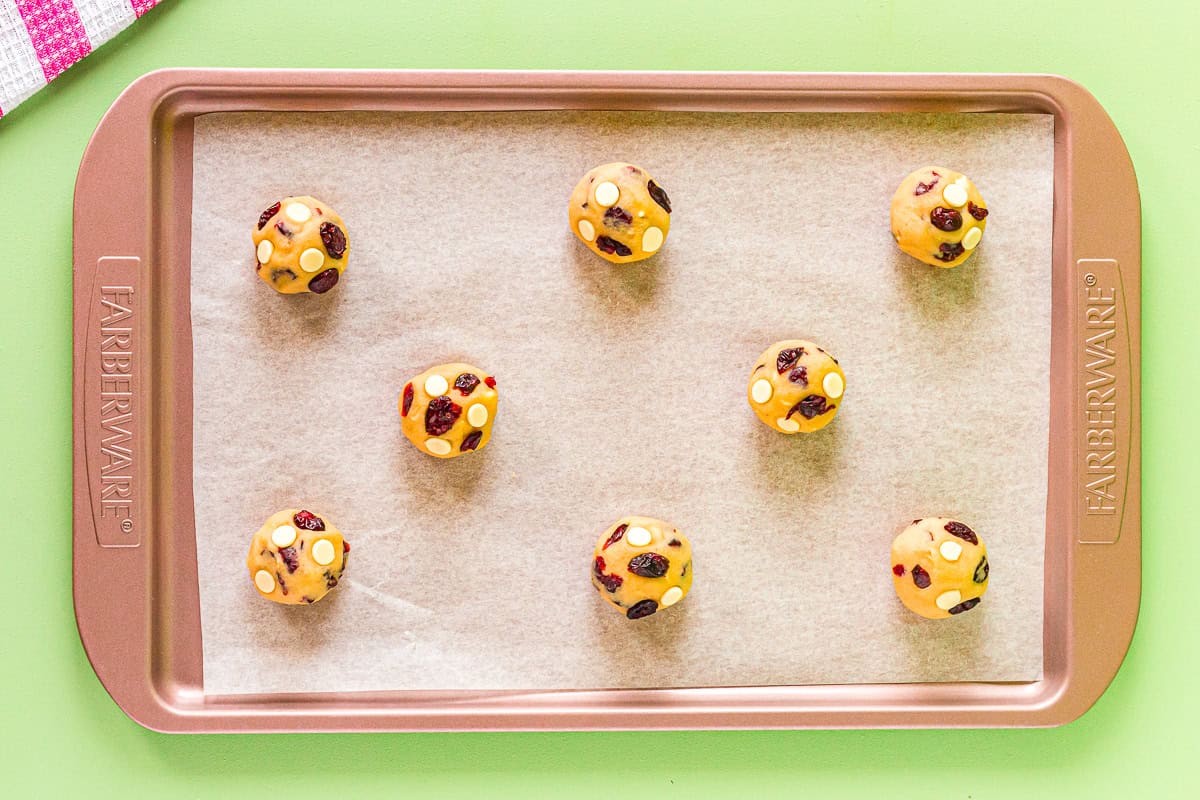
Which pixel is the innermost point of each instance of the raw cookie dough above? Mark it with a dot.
(297, 557)
(300, 245)
(642, 565)
(938, 216)
(619, 212)
(796, 387)
(939, 567)
(448, 410)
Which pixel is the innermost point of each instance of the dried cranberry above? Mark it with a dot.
(788, 358)
(659, 196)
(921, 577)
(812, 406)
(898, 570)
(965, 605)
(282, 585)
(961, 531)
(466, 383)
(642, 609)
(632, 170)
(291, 558)
(307, 599)
(610, 582)
(649, 565)
(334, 240)
(308, 521)
(407, 402)
(470, 441)
(674, 543)
(618, 216)
(345, 546)
(948, 251)
(330, 580)
(683, 572)
(981, 570)
(490, 381)
(599, 565)
(610, 246)
(276, 274)
(799, 375)
(322, 282)
(975, 211)
(945, 219)
(441, 415)
(922, 188)
(616, 536)
(266, 216)
(284, 229)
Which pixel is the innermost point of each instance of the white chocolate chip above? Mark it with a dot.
(638, 537)
(297, 212)
(283, 536)
(477, 415)
(312, 259)
(265, 581)
(761, 391)
(955, 195)
(607, 194)
(789, 425)
(587, 230)
(265, 248)
(950, 550)
(652, 239)
(971, 240)
(834, 385)
(948, 600)
(641, 214)
(323, 552)
(670, 597)
(962, 181)
(439, 447)
(436, 385)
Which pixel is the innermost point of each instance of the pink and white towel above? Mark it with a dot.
(39, 39)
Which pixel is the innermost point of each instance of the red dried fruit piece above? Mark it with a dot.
(291, 558)
(608, 245)
(642, 609)
(307, 599)
(266, 216)
(813, 405)
(955, 528)
(490, 381)
(599, 565)
(981, 570)
(466, 383)
(610, 582)
(788, 358)
(276, 274)
(975, 211)
(674, 543)
(799, 375)
(345, 546)
(322, 282)
(618, 216)
(922, 188)
(616, 536)
(898, 570)
(649, 565)
(282, 585)
(683, 572)
(470, 441)
(948, 251)
(308, 521)
(659, 196)
(965, 605)
(407, 402)
(284, 229)
(921, 577)
(632, 170)
(441, 415)
(334, 240)
(945, 219)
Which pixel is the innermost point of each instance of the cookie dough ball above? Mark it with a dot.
(620, 212)
(938, 216)
(301, 246)
(297, 557)
(796, 387)
(642, 565)
(939, 567)
(448, 410)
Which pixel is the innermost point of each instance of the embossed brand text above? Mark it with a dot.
(1100, 400)
(116, 402)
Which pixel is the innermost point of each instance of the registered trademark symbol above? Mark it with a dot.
(1090, 279)
(126, 525)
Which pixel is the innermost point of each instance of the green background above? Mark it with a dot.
(60, 732)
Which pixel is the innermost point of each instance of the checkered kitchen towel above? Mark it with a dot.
(39, 39)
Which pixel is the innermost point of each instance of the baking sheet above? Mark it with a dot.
(622, 391)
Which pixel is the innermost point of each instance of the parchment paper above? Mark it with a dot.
(622, 391)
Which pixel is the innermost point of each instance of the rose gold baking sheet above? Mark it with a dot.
(135, 539)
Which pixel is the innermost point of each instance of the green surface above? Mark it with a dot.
(62, 734)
